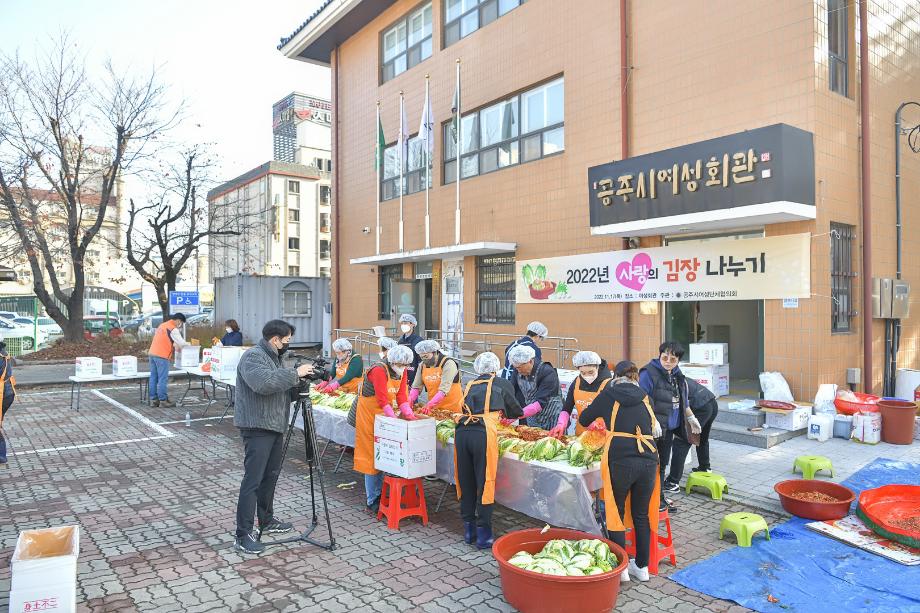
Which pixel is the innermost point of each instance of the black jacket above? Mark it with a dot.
(703, 403)
(632, 413)
(656, 382)
(568, 405)
(547, 384)
(411, 341)
(502, 399)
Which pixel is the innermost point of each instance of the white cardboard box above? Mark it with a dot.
(88, 367)
(45, 557)
(205, 356)
(224, 361)
(188, 356)
(709, 353)
(712, 377)
(404, 448)
(57, 598)
(796, 419)
(124, 366)
(566, 379)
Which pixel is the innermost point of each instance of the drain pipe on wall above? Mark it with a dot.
(624, 147)
(866, 195)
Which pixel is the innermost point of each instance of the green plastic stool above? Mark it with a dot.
(744, 526)
(810, 464)
(715, 483)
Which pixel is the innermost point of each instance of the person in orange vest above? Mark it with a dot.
(167, 336)
(593, 377)
(7, 394)
(439, 375)
(347, 370)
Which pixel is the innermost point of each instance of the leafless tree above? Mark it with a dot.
(65, 140)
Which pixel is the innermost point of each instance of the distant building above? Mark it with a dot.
(302, 129)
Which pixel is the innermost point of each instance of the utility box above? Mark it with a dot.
(890, 298)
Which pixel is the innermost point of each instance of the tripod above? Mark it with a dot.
(310, 446)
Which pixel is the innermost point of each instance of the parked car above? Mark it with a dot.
(96, 325)
(10, 330)
(132, 325)
(149, 325)
(46, 332)
(202, 319)
(8, 315)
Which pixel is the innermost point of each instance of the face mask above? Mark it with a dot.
(284, 347)
(399, 370)
(406, 328)
(430, 361)
(229, 330)
(589, 378)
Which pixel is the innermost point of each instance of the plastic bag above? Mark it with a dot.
(824, 399)
(774, 387)
(867, 428)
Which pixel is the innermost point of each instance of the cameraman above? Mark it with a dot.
(263, 396)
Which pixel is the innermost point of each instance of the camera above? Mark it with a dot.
(320, 373)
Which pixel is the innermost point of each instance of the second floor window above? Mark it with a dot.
(406, 43)
(414, 175)
(294, 244)
(463, 17)
(294, 187)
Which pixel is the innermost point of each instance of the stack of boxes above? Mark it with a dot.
(708, 366)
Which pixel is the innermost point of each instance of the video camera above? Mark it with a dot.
(321, 372)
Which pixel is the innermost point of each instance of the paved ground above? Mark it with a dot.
(156, 499)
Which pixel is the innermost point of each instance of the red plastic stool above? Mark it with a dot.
(657, 553)
(401, 498)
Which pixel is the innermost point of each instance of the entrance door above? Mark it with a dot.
(403, 298)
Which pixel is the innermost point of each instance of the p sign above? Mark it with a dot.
(183, 302)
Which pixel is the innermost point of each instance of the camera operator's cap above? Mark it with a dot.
(427, 346)
(521, 354)
(400, 354)
(486, 363)
(386, 343)
(408, 319)
(538, 328)
(586, 358)
(342, 344)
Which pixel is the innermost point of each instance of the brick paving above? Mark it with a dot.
(156, 506)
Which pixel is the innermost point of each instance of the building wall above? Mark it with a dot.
(749, 65)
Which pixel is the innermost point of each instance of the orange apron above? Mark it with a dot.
(490, 421)
(352, 386)
(6, 366)
(367, 411)
(645, 442)
(431, 379)
(583, 399)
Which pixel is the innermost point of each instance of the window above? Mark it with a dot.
(324, 271)
(325, 194)
(463, 17)
(519, 129)
(324, 222)
(415, 174)
(837, 37)
(293, 271)
(294, 187)
(385, 275)
(406, 43)
(296, 300)
(294, 244)
(323, 249)
(841, 277)
(293, 215)
(495, 289)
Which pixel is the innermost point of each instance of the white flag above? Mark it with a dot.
(426, 127)
(403, 142)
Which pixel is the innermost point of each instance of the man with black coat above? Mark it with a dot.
(705, 407)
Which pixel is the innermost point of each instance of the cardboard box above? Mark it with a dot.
(124, 366)
(205, 356)
(58, 598)
(712, 377)
(188, 356)
(405, 448)
(224, 361)
(566, 379)
(44, 558)
(709, 353)
(88, 367)
(796, 419)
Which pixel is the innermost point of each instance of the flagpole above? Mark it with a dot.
(379, 165)
(427, 163)
(459, 158)
(402, 164)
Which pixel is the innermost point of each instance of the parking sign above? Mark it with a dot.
(183, 302)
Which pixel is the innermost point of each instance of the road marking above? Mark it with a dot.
(26, 394)
(91, 445)
(182, 421)
(152, 424)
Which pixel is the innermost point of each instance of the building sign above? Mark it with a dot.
(776, 267)
(767, 172)
(302, 108)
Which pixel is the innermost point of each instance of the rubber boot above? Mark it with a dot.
(484, 537)
(469, 531)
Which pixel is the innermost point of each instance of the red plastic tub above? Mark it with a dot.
(531, 592)
(897, 421)
(867, 403)
(888, 509)
(821, 511)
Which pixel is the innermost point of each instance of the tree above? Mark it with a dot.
(65, 140)
(163, 235)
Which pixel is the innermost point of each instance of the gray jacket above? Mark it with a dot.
(263, 390)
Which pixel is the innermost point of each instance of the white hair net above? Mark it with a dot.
(486, 363)
(408, 319)
(386, 343)
(342, 344)
(427, 346)
(538, 328)
(586, 358)
(400, 354)
(521, 354)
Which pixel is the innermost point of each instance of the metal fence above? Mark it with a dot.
(23, 340)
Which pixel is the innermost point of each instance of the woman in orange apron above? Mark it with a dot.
(383, 388)
(593, 376)
(7, 394)
(439, 376)
(349, 369)
(476, 446)
(629, 468)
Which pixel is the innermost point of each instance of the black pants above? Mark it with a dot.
(470, 442)
(636, 477)
(7, 403)
(261, 465)
(681, 448)
(664, 445)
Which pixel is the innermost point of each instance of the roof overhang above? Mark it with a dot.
(705, 221)
(437, 253)
(335, 23)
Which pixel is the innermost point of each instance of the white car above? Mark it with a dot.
(10, 330)
(46, 326)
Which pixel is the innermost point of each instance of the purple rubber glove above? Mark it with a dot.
(413, 395)
(388, 411)
(406, 411)
(435, 400)
(334, 385)
(532, 409)
(561, 425)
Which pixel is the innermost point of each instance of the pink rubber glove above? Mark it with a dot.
(435, 401)
(506, 422)
(413, 395)
(388, 411)
(321, 386)
(405, 409)
(532, 409)
(334, 385)
(561, 425)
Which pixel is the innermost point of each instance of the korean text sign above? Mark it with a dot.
(774, 267)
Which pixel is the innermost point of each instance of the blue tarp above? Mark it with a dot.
(811, 573)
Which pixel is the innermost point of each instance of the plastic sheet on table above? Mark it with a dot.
(331, 425)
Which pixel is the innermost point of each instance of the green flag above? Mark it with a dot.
(381, 144)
